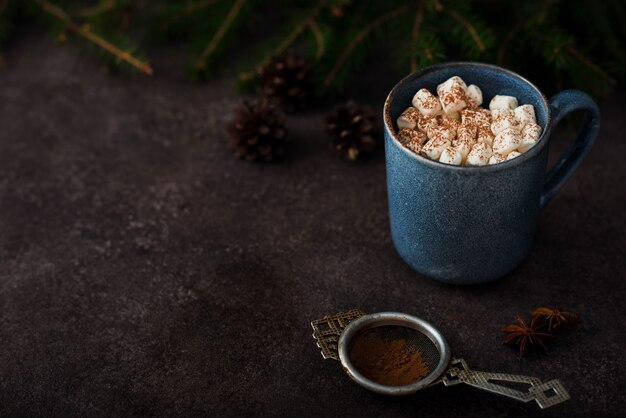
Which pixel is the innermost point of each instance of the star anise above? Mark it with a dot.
(557, 317)
(526, 335)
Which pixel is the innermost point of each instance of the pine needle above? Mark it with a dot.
(193, 7)
(417, 24)
(86, 32)
(289, 40)
(507, 40)
(360, 37)
(543, 12)
(583, 59)
(468, 26)
(580, 57)
(319, 39)
(215, 41)
(96, 10)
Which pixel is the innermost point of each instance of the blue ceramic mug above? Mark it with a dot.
(467, 225)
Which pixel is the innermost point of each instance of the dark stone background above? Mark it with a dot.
(144, 271)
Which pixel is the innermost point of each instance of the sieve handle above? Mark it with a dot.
(545, 394)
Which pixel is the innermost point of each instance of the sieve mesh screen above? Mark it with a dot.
(414, 338)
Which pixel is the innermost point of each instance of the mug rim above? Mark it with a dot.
(541, 142)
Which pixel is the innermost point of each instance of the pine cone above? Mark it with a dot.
(287, 80)
(258, 132)
(350, 129)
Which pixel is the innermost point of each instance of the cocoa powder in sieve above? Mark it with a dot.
(388, 362)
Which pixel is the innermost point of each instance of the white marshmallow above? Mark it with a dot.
(468, 129)
(486, 114)
(413, 146)
(526, 145)
(530, 136)
(465, 138)
(453, 101)
(441, 113)
(496, 158)
(532, 131)
(426, 103)
(505, 122)
(484, 135)
(406, 135)
(432, 126)
(452, 124)
(464, 145)
(454, 116)
(525, 114)
(449, 83)
(503, 102)
(474, 94)
(412, 139)
(512, 155)
(506, 141)
(435, 146)
(500, 113)
(442, 130)
(475, 116)
(468, 115)
(453, 129)
(451, 155)
(421, 137)
(408, 118)
(425, 123)
(479, 155)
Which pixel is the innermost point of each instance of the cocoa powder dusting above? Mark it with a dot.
(388, 362)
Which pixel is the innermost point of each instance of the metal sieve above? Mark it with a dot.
(335, 333)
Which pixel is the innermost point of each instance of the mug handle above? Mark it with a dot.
(562, 104)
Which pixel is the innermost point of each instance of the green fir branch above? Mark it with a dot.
(360, 37)
(103, 6)
(572, 43)
(417, 25)
(287, 41)
(201, 62)
(319, 38)
(471, 29)
(506, 41)
(576, 54)
(87, 33)
(186, 11)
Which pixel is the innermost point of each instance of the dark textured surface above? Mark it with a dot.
(144, 271)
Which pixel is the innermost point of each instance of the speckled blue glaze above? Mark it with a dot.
(468, 225)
